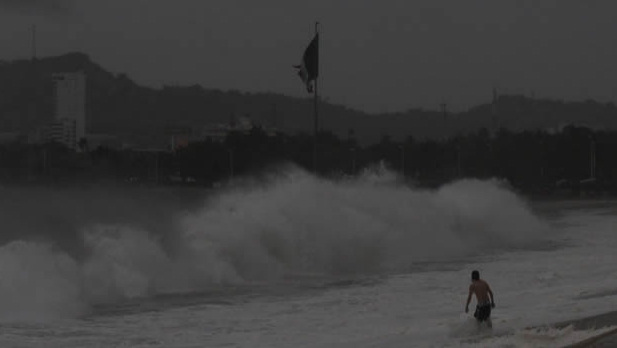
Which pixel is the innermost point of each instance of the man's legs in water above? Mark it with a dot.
(483, 314)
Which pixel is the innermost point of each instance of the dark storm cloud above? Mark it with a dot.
(36, 6)
(405, 53)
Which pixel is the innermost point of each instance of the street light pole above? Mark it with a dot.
(458, 160)
(402, 147)
(353, 160)
(592, 159)
(231, 163)
(156, 168)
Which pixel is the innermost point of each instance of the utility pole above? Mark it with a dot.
(444, 112)
(444, 109)
(592, 158)
(231, 163)
(353, 160)
(402, 147)
(274, 120)
(458, 160)
(494, 119)
(156, 167)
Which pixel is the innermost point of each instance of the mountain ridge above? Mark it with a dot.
(119, 106)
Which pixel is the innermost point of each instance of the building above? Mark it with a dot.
(179, 141)
(63, 131)
(99, 140)
(69, 125)
(219, 132)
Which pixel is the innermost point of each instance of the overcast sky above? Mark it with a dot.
(386, 55)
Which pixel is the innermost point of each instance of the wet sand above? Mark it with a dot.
(606, 339)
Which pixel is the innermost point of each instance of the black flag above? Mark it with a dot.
(309, 68)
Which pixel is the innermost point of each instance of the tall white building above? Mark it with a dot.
(63, 131)
(69, 126)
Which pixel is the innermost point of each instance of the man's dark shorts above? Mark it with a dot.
(483, 312)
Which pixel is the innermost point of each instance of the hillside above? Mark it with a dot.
(119, 106)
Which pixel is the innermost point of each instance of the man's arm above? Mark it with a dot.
(469, 298)
(490, 292)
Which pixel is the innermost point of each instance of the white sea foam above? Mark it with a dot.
(214, 244)
(288, 224)
(38, 283)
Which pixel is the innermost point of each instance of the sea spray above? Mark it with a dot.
(38, 283)
(290, 223)
(303, 224)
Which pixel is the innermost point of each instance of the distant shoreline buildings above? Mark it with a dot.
(69, 124)
(216, 132)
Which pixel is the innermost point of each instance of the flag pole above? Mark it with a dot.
(315, 115)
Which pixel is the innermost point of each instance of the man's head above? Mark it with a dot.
(475, 275)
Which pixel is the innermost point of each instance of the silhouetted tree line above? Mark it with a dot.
(533, 161)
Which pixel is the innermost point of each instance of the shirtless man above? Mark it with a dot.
(482, 291)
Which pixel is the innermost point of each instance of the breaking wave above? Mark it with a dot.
(104, 247)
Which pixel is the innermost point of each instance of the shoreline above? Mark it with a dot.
(594, 322)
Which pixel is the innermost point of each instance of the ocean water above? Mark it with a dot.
(291, 260)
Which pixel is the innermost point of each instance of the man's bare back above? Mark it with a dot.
(481, 289)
